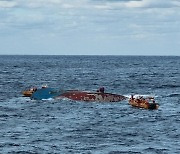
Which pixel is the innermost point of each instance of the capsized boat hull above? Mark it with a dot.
(45, 93)
(91, 96)
(143, 104)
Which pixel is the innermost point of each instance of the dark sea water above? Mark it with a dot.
(72, 127)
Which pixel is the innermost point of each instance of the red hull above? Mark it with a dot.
(91, 96)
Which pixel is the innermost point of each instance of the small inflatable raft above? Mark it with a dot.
(141, 102)
(28, 92)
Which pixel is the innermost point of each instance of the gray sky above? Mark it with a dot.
(90, 27)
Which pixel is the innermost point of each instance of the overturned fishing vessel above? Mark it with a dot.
(98, 96)
(142, 102)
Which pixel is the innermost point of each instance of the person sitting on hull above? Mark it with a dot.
(132, 97)
(100, 90)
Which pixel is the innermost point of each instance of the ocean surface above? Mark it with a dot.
(73, 127)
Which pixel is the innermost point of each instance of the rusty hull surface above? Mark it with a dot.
(92, 96)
